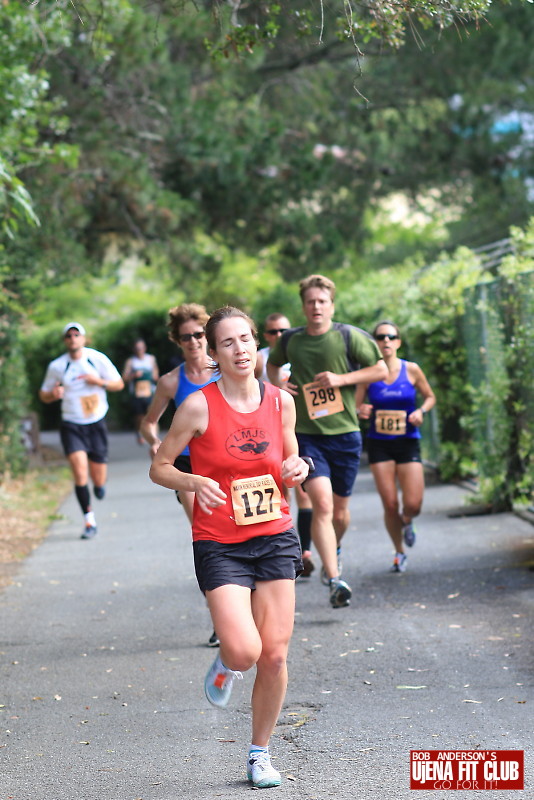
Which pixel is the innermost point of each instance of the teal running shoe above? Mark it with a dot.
(219, 683)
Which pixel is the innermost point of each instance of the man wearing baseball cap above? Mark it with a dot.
(80, 378)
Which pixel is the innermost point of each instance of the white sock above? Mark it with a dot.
(256, 748)
(90, 518)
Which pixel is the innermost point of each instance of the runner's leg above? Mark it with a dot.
(384, 473)
(273, 606)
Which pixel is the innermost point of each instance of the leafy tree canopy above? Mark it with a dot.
(284, 144)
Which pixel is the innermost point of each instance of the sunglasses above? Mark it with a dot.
(274, 331)
(186, 337)
(381, 337)
(72, 335)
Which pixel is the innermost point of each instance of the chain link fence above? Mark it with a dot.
(497, 328)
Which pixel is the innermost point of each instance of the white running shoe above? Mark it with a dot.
(260, 770)
(400, 562)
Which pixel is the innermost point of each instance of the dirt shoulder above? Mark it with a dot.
(28, 505)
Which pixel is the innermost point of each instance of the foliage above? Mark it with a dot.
(245, 26)
(472, 336)
(13, 396)
(503, 410)
(428, 305)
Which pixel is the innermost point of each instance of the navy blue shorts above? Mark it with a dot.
(401, 450)
(140, 404)
(336, 457)
(263, 558)
(92, 439)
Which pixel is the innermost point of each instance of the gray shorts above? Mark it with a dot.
(262, 558)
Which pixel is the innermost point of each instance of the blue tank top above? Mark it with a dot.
(401, 395)
(185, 388)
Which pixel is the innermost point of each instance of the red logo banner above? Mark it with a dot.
(467, 769)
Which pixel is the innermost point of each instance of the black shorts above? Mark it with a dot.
(263, 558)
(92, 439)
(401, 450)
(140, 404)
(183, 463)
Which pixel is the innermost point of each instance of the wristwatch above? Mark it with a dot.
(309, 462)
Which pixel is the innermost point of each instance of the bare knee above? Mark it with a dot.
(391, 505)
(411, 510)
(272, 663)
(240, 658)
(323, 507)
(341, 517)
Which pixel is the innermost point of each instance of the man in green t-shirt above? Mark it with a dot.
(327, 361)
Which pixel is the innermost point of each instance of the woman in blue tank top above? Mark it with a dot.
(393, 438)
(186, 329)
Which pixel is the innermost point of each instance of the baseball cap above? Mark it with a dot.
(75, 325)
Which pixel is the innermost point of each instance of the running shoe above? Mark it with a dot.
(408, 532)
(340, 593)
(400, 562)
(260, 770)
(213, 641)
(308, 564)
(89, 532)
(99, 492)
(219, 683)
(325, 580)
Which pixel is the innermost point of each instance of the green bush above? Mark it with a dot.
(13, 395)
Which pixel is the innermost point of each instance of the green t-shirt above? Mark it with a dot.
(309, 355)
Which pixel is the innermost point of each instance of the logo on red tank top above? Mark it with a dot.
(248, 444)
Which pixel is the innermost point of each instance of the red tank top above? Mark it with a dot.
(243, 453)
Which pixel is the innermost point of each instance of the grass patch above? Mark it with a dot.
(28, 505)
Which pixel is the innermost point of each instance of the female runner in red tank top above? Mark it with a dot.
(247, 553)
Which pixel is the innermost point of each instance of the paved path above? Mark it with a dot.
(103, 654)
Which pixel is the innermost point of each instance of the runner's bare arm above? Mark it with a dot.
(53, 394)
(166, 389)
(190, 420)
(419, 380)
(363, 409)
(294, 469)
(275, 375)
(376, 372)
(96, 380)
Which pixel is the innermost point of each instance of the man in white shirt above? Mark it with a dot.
(81, 378)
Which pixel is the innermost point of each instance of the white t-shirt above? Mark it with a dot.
(83, 403)
(286, 369)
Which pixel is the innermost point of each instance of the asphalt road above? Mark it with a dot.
(103, 654)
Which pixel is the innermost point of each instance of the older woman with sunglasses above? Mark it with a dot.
(186, 329)
(393, 438)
